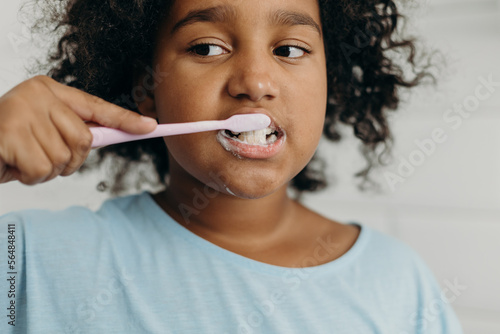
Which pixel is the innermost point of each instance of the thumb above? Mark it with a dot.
(7, 173)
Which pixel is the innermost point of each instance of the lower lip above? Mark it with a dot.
(243, 150)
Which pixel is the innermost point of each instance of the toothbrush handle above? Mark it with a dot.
(106, 136)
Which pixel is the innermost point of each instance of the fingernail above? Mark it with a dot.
(147, 119)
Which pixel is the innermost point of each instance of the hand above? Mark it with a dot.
(43, 129)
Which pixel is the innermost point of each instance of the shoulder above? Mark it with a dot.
(386, 247)
(77, 236)
(75, 219)
(394, 271)
(384, 253)
(384, 261)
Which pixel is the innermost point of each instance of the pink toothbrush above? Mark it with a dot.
(238, 123)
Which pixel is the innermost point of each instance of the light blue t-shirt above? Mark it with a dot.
(130, 268)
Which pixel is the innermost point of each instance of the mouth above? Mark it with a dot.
(265, 136)
(259, 144)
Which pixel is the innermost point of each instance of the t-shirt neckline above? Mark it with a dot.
(162, 218)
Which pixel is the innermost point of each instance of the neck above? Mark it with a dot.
(217, 216)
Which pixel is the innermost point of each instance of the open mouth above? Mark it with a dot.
(267, 136)
(260, 144)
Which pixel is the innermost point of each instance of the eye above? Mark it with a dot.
(291, 51)
(206, 50)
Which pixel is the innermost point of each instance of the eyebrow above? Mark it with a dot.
(288, 18)
(212, 14)
(227, 13)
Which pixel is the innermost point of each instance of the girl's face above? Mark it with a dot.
(219, 58)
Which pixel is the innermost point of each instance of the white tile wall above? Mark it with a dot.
(448, 210)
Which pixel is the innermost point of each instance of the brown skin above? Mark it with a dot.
(43, 132)
(44, 129)
(245, 68)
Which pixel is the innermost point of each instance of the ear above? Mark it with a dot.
(143, 96)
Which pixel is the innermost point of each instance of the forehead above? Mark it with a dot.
(254, 11)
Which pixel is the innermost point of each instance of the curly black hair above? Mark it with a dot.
(102, 40)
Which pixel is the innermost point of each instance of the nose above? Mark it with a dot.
(253, 76)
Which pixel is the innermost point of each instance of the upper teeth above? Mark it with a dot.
(258, 137)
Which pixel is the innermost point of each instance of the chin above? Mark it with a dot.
(254, 192)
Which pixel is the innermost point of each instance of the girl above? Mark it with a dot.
(223, 249)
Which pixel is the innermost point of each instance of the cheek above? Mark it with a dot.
(312, 107)
(186, 97)
(193, 154)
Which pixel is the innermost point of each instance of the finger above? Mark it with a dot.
(7, 173)
(29, 159)
(10, 174)
(93, 108)
(76, 135)
(54, 146)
